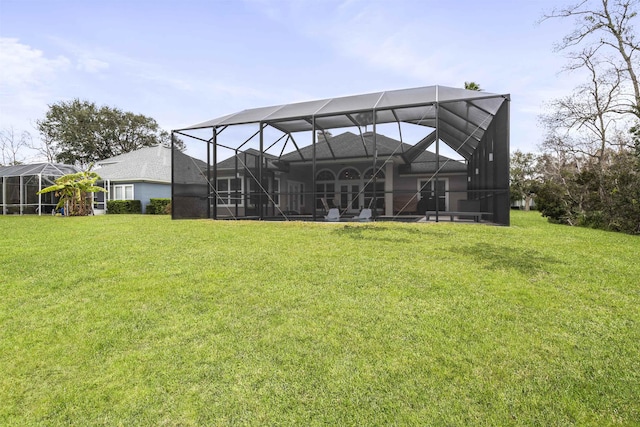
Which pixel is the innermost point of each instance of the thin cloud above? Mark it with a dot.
(22, 66)
(26, 79)
(92, 65)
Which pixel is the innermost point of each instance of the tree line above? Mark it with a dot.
(588, 172)
(80, 132)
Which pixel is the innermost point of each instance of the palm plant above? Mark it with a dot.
(73, 190)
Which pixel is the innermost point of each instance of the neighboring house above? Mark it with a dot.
(344, 179)
(20, 184)
(142, 175)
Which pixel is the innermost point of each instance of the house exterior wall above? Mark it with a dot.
(406, 188)
(403, 200)
(144, 191)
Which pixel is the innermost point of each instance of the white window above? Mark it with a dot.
(229, 192)
(325, 188)
(122, 192)
(257, 192)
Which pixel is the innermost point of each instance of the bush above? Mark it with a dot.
(158, 206)
(124, 207)
(600, 195)
(552, 203)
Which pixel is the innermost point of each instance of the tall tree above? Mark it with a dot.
(586, 120)
(79, 132)
(606, 27)
(588, 164)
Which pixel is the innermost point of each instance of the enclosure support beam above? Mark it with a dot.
(209, 188)
(388, 188)
(21, 194)
(260, 178)
(375, 165)
(297, 148)
(313, 165)
(4, 196)
(437, 109)
(236, 175)
(173, 178)
(215, 173)
(40, 195)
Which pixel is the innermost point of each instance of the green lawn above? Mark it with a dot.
(140, 320)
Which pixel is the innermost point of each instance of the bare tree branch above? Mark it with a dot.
(12, 144)
(608, 24)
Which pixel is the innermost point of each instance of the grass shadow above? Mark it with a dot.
(496, 257)
(368, 232)
(387, 234)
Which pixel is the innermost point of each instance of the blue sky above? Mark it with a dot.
(183, 62)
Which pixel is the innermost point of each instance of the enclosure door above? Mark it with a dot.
(350, 197)
(434, 192)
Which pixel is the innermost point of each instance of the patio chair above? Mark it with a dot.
(365, 215)
(333, 215)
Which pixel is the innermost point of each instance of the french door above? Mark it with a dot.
(350, 197)
(435, 193)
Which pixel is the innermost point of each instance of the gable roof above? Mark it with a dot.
(426, 163)
(146, 164)
(350, 146)
(247, 159)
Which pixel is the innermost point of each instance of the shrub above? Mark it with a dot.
(124, 207)
(553, 203)
(158, 206)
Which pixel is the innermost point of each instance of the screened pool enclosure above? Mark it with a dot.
(425, 153)
(20, 184)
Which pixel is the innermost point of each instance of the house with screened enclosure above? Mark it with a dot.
(433, 152)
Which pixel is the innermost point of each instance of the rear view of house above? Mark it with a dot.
(405, 154)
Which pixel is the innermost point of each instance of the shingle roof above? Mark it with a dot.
(348, 145)
(351, 146)
(426, 163)
(145, 164)
(249, 161)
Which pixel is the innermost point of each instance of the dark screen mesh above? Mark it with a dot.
(189, 186)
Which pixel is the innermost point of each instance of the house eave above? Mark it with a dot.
(136, 180)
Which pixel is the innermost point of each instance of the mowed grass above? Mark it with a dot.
(140, 320)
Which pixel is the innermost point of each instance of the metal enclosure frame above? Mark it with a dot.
(472, 123)
(19, 185)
